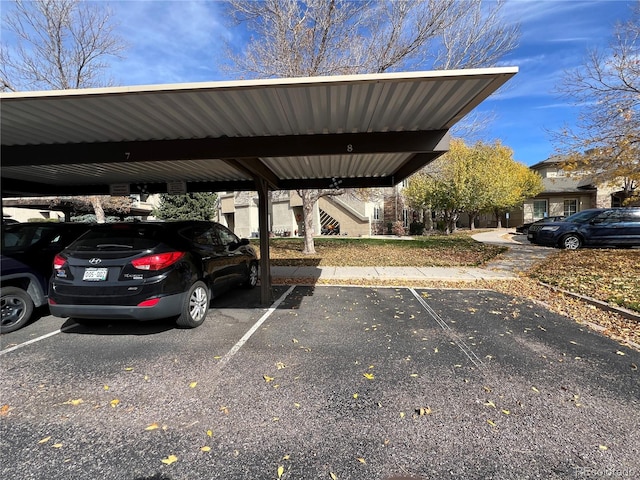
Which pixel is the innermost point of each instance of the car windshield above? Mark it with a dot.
(582, 217)
(119, 237)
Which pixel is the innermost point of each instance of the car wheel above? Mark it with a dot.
(571, 242)
(252, 276)
(17, 308)
(195, 307)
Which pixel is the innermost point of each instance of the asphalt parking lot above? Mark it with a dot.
(332, 382)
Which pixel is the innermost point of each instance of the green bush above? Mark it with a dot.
(416, 228)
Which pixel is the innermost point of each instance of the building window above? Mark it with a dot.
(539, 209)
(570, 207)
(377, 213)
(405, 217)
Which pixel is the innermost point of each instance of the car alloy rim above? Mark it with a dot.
(571, 243)
(12, 308)
(198, 304)
(253, 275)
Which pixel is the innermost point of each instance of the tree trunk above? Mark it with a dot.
(96, 203)
(308, 201)
(472, 221)
(498, 219)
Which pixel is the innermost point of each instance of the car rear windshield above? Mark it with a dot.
(120, 237)
(20, 236)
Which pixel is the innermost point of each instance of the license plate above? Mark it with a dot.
(95, 274)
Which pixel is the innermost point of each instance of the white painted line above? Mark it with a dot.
(34, 340)
(445, 326)
(224, 360)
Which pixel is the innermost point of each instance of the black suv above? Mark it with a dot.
(27, 255)
(149, 270)
(606, 227)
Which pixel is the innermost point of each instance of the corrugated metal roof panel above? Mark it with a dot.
(364, 104)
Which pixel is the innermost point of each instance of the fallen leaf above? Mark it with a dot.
(634, 366)
(424, 411)
(106, 387)
(362, 460)
(355, 395)
(333, 476)
(487, 389)
(535, 389)
(169, 460)
(153, 426)
(435, 350)
(206, 449)
(74, 402)
(489, 403)
(286, 457)
(56, 445)
(209, 433)
(225, 410)
(297, 405)
(402, 414)
(491, 422)
(44, 440)
(294, 340)
(620, 353)
(413, 375)
(115, 402)
(128, 369)
(603, 447)
(506, 412)
(280, 365)
(368, 376)
(193, 384)
(268, 379)
(4, 410)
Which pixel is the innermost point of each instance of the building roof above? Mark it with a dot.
(359, 130)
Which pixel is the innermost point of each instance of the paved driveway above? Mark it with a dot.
(333, 382)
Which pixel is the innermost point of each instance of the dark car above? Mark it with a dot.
(607, 227)
(535, 227)
(150, 270)
(525, 227)
(28, 250)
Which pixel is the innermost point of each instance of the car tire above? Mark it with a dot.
(196, 306)
(17, 308)
(571, 242)
(252, 276)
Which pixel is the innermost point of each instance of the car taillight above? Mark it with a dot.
(149, 303)
(58, 262)
(157, 261)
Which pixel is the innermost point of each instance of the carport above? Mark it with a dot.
(278, 134)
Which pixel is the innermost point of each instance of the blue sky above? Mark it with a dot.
(182, 41)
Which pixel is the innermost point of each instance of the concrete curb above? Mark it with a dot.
(597, 303)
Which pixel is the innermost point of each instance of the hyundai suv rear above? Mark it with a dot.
(149, 270)
(605, 227)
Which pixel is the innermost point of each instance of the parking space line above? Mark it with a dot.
(445, 326)
(224, 360)
(34, 340)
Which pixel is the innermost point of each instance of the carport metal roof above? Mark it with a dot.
(365, 130)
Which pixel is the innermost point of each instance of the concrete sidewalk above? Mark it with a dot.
(520, 256)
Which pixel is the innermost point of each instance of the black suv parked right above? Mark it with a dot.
(604, 227)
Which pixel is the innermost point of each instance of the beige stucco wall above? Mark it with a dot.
(349, 224)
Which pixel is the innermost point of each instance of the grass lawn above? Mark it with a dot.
(610, 275)
(428, 251)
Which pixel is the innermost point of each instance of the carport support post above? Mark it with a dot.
(263, 224)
